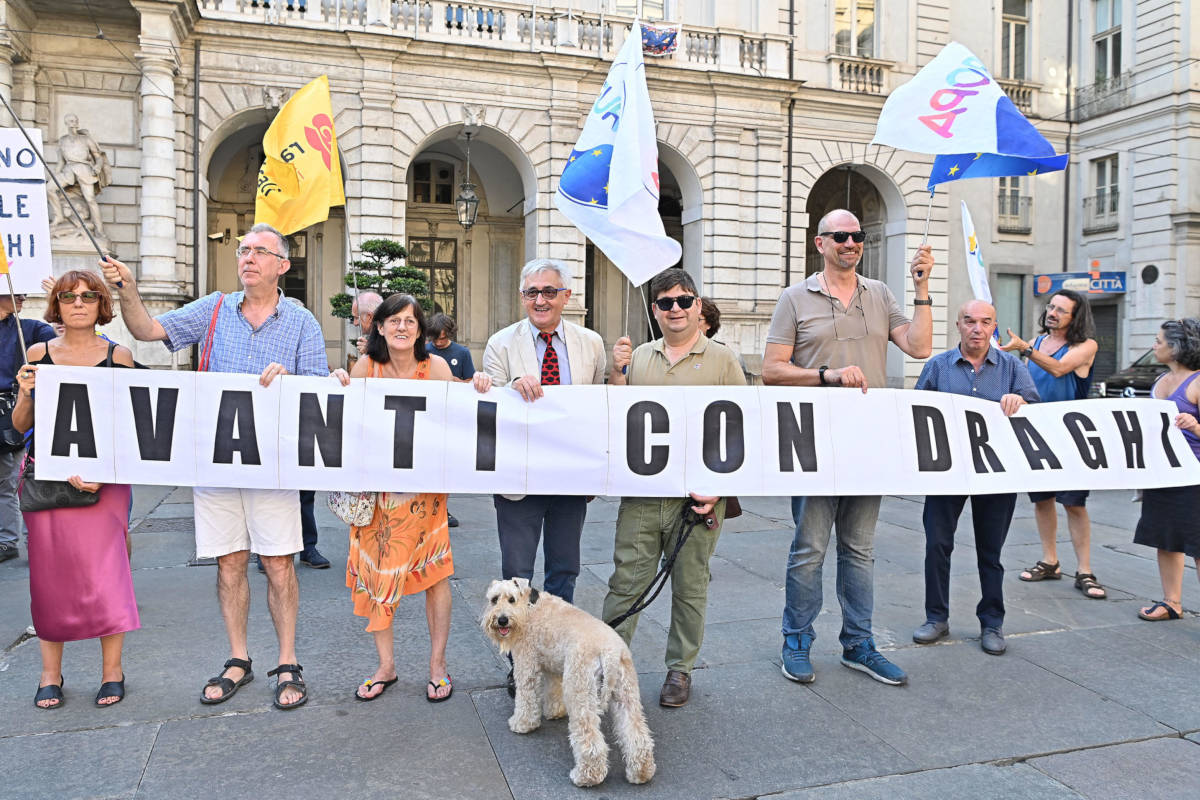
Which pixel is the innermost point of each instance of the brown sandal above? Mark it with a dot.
(1086, 583)
(1041, 571)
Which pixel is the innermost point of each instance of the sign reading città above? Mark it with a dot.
(215, 429)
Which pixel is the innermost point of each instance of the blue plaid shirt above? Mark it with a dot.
(1001, 373)
(291, 336)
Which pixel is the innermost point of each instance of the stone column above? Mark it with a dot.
(157, 240)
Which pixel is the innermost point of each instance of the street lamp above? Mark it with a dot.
(467, 203)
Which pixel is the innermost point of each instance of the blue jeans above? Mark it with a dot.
(308, 519)
(815, 518)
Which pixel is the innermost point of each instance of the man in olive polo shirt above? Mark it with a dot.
(832, 329)
(683, 357)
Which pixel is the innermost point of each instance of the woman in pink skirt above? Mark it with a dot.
(80, 585)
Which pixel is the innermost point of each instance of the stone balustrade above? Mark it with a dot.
(512, 26)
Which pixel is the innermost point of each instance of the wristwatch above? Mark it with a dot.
(928, 301)
(1027, 352)
(821, 373)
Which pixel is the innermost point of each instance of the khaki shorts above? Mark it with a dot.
(263, 521)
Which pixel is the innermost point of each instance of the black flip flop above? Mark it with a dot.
(111, 689)
(50, 692)
(228, 686)
(435, 686)
(1148, 613)
(368, 683)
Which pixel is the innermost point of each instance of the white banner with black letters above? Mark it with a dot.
(219, 429)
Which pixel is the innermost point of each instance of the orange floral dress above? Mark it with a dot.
(404, 549)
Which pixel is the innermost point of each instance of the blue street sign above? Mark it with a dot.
(1086, 282)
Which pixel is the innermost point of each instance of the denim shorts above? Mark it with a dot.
(1075, 498)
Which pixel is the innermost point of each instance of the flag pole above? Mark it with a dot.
(16, 316)
(928, 211)
(42, 158)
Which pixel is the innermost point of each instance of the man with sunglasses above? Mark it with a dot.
(832, 329)
(12, 444)
(684, 356)
(542, 350)
(253, 331)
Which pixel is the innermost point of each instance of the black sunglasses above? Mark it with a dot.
(684, 300)
(841, 236)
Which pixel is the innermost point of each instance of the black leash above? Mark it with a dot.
(687, 522)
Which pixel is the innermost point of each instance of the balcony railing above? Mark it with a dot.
(860, 75)
(1100, 211)
(1102, 97)
(1020, 93)
(1014, 214)
(511, 26)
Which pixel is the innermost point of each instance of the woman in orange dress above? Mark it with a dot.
(405, 549)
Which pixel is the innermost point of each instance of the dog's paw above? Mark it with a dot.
(555, 710)
(589, 775)
(640, 773)
(518, 724)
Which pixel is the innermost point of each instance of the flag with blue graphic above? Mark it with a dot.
(954, 109)
(976, 271)
(609, 187)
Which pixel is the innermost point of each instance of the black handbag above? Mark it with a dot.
(42, 495)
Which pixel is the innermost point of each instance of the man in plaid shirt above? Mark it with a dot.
(254, 331)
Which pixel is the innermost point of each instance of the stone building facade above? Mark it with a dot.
(764, 117)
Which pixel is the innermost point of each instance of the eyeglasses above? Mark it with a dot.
(396, 322)
(548, 292)
(841, 236)
(850, 325)
(88, 297)
(242, 252)
(684, 300)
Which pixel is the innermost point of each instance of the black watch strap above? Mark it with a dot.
(821, 373)
(928, 301)
(1027, 352)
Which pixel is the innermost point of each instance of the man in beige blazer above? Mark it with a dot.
(543, 349)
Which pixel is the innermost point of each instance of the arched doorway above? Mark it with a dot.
(316, 253)
(614, 307)
(873, 197)
(473, 273)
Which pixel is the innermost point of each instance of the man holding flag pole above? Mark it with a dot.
(256, 331)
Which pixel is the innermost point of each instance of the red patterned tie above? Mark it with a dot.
(550, 375)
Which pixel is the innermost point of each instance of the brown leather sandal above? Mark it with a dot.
(1086, 583)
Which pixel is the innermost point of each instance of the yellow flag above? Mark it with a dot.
(301, 176)
(3, 259)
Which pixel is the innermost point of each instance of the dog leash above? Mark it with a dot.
(687, 522)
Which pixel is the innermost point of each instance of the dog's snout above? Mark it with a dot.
(502, 621)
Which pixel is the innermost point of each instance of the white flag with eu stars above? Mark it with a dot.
(609, 188)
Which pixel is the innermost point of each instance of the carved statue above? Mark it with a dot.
(83, 172)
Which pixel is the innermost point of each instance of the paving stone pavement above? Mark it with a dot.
(1088, 702)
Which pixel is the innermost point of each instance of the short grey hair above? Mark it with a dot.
(367, 302)
(262, 227)
(547, 265)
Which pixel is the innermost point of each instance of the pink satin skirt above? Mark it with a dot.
(80, 584)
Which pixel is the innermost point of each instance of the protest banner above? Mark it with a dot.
(24, 217)
(405, 436)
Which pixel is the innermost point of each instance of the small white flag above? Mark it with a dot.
(976, 271)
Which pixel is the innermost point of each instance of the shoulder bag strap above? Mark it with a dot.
(206, 350)
(108, 362)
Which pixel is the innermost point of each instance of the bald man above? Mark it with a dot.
(974, 369)
(362, 314)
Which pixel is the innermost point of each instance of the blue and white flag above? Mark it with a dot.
(954, 109)
(609, 188)
(976, 271)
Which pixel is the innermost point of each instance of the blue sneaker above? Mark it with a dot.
(796, 664)
(865, 658)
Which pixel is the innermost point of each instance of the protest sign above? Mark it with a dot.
(393, 435)
(24, 218)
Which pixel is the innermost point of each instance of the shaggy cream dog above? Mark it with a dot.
(588, 669)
